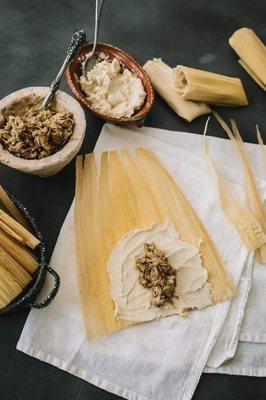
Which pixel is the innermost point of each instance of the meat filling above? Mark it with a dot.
(156, 274)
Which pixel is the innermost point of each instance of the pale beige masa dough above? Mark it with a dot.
(113, 89)
(132, 300)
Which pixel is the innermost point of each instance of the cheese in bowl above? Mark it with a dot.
(113, 89)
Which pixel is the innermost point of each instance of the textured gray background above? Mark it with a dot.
(34, 35)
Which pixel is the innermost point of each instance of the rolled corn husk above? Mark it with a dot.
(8, 206)
(163, 81)
(17, 231)
(9, 288)
(252, 53)
(20, 275)
(18, 252)
(208, 87)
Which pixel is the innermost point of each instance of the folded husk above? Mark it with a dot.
(163, 80)
(252, 53)
(208, 87)
(253, 196)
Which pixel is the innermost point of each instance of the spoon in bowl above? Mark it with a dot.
(77, 41)
(91, 60)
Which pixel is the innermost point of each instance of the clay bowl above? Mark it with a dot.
(74, 71)
(51, 165)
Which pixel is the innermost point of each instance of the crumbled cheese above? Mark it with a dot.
(113, 90)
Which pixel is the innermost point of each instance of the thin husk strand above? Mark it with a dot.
(262, 148)
(17, 231)
(248, 228)
(255, 202)
(190, 227)
(163, 80)
(20, 275)
(22, 255)
(208, 87)
(7, 205)
(252, 53)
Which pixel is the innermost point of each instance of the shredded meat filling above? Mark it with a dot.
(37, 134)
(157, 274)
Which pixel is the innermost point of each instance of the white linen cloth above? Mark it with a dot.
(162, 359)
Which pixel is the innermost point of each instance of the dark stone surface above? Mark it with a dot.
(34, 35)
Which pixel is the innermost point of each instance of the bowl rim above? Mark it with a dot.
(69, 149)
(74, 85)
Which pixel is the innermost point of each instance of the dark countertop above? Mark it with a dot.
(34, 35)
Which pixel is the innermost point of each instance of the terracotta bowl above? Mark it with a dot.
(47, 166)
(74, 71)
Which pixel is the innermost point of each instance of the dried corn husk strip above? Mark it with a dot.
(7, 205)
(86, 260)
(18, 252)
(262, 148)
(9, 288)
(163, 80)
(248, 228)
(254, 199)
(98, 308)
(17, 231)
(190, 228)
(252, 53)
(208, 87)
(20, 275)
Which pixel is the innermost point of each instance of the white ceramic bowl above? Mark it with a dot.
(53, 164)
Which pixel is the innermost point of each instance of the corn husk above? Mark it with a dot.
(17, 231)
(262, 148)
(255, 202)
(124, 193)
(247, 226)
(8, 206)
(163, 81)
(252, 53)
(20, 275)
(208, 87)
(22, 255)
(9, 288)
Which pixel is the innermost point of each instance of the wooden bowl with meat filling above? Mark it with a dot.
(57, 139)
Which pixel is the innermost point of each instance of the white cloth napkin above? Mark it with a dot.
(247, 357)
(159, 360)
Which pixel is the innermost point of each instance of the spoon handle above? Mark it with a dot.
(98, 10)
(77, 41)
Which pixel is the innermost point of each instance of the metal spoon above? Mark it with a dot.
(77, 41)
(91, 60)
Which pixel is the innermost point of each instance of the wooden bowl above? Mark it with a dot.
(50, 165)
(74, 72)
